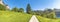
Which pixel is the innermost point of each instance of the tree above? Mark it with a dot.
(15, 9)
(21, 10)
(28, 9)
(50, 13)
(2, 7)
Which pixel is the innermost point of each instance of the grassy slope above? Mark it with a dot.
(42, 19)
(6, 16)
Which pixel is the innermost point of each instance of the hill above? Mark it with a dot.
(42, 19)
(6, 16)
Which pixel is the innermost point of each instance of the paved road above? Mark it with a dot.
(33, 19)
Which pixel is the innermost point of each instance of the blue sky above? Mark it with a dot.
(35, 4)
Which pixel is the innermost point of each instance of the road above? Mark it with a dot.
(33, 19)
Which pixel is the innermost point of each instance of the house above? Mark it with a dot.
(1, 2)
(57, 12)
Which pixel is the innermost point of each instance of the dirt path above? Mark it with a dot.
(33, 19)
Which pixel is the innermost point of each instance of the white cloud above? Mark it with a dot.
(56, 4)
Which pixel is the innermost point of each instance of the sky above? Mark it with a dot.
(35, 4)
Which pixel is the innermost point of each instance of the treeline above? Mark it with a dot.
(15, 9)
(47, 13)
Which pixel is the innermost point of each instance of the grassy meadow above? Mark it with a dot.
(6, 16)
(42, 19)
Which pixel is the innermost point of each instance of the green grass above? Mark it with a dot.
(6, 16)
(42, 19)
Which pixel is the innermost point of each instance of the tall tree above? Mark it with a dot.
(21, 10)
(15, 9)
(28, 9)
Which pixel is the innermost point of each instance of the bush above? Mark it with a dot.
(2, 7)
(21, 10)
(15, 9)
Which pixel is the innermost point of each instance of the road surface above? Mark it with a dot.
(33, 19)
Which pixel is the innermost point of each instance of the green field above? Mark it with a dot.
(42, 19)
(6, 16)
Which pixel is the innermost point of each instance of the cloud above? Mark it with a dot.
(56, 4)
